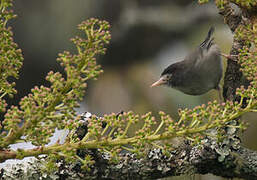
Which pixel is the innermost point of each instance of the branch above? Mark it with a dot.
(185, 160)
(249, 5)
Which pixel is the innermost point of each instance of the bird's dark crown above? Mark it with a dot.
(172, 68)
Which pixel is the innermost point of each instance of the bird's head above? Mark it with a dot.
(170, 75)
(164, 80)
(166, 76)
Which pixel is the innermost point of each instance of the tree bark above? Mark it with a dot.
(240, 163)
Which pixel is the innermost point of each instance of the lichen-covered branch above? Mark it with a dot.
(187, 159)
(243, 23)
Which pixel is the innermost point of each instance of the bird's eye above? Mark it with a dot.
(168, 76)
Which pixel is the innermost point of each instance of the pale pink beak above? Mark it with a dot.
(159, 82)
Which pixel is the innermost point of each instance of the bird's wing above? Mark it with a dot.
(195, 58)
(204, 48)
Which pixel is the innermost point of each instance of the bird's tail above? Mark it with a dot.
(208, 40)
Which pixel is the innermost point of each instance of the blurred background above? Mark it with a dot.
(147, 36)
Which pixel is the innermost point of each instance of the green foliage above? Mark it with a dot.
(248, 53)
(47, 108)
(221, 3)
(202, 1)
(10, 56)
(245, 4)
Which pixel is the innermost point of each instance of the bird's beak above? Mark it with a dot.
(159, 82)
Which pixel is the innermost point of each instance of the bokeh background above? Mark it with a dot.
(147, 36)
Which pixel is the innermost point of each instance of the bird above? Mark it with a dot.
(199, 72)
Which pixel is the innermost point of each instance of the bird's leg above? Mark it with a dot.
(220, 94)
(231, 57)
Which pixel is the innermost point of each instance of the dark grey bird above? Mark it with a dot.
(199, 72)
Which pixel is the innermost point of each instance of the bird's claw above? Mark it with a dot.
(231, 57)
